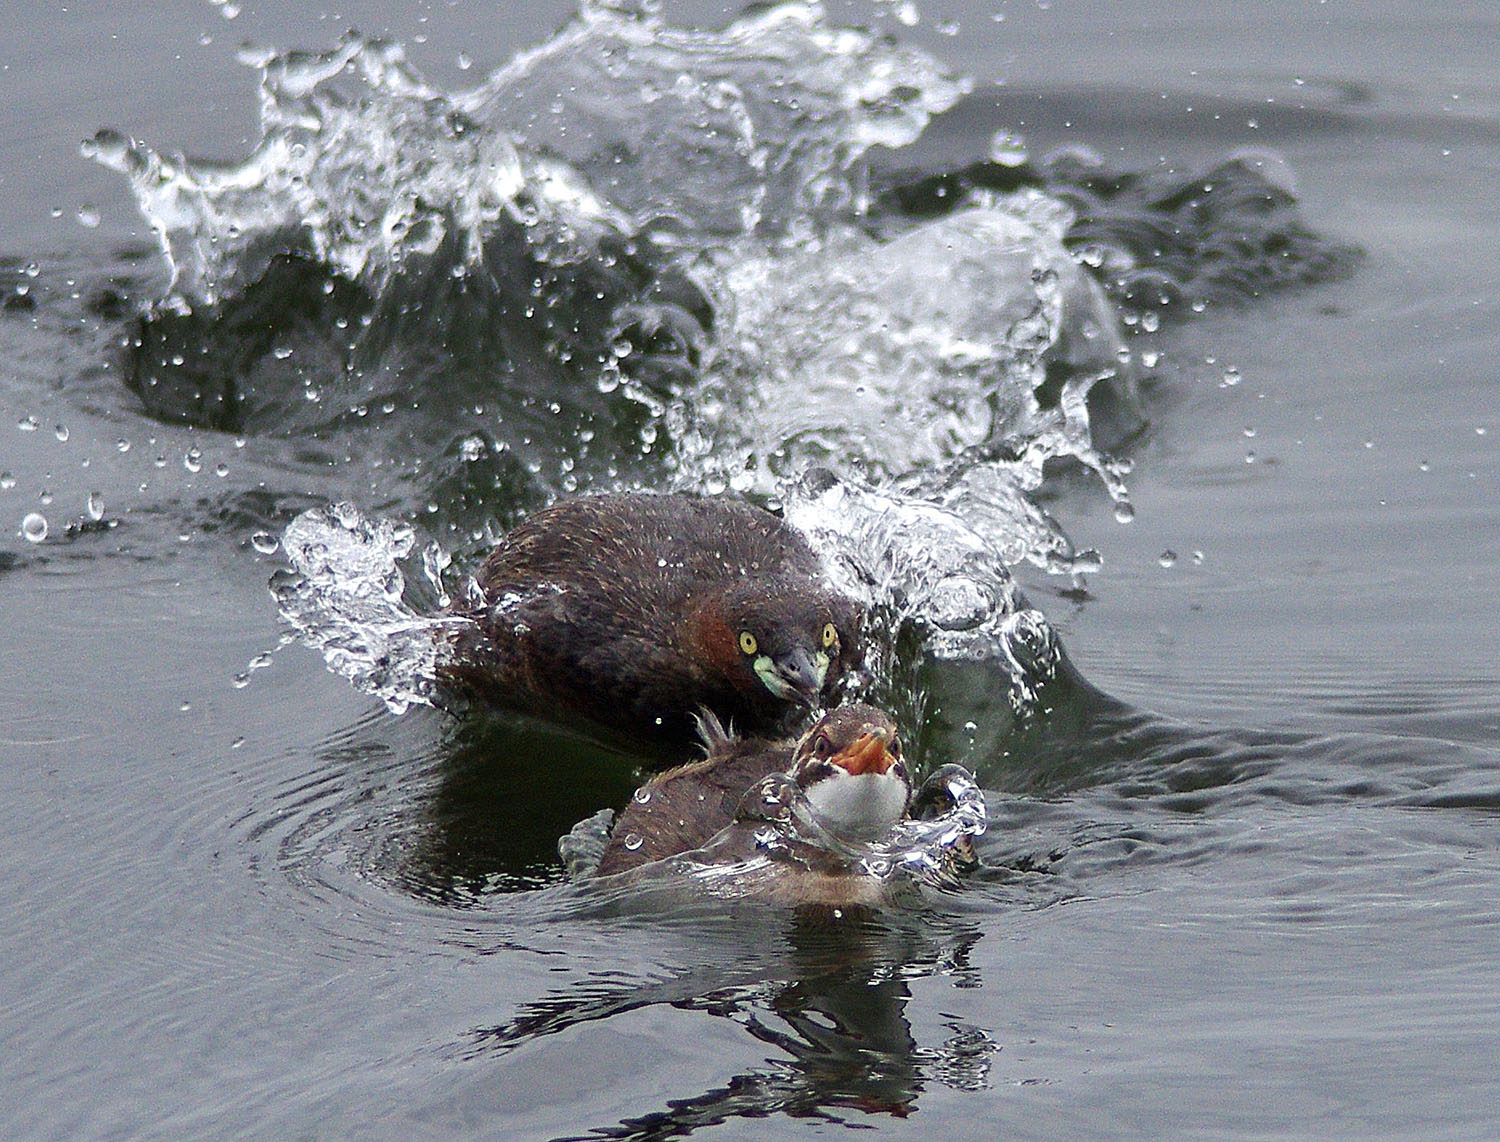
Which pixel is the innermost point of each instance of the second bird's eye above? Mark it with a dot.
(748, 643)
(830, 636)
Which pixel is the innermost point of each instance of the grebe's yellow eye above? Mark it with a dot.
(830, 636)
(748, 643)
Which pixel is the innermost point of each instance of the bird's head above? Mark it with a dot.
(788, 641)
(849, 767)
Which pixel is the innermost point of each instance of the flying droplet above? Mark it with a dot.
(34, 527)
(1008, 150)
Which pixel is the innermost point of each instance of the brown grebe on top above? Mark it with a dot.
(848, 766)
(633, 611)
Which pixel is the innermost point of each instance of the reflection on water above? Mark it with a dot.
(829, 1000)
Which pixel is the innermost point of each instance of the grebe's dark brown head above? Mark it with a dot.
(850, 769)
(779, 640)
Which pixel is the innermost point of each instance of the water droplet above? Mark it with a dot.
(34, 527)
(241, 681)
(1150, 322)
(265, 542)
(1424, 466)
(221, 469)
(1249, 431)
(45, 495)
(1008, 150)
(193, 460)
(281, 352)
(1124, 511)
(62, 433)
(88, 216)
(642, 795)
(160, 461)
(464, 61)
(7, 481)
(633, 841)
(237, 743)
(1197, 558)
(185, 707)
(96, 506)
(1150, 358)
(1167, 558)
(1250, 457)
(122, 445)
(27, 424)
(1231, 377)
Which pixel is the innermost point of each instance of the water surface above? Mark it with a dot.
(1251, 892)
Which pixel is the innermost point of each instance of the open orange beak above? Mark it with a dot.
(867, 755)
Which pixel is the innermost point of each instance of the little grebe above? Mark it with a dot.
(634, 611)
(848, 766)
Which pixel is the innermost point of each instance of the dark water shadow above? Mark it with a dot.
(828, 996)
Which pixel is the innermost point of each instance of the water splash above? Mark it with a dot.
(927, 851)
(345, 596)
(887, 357)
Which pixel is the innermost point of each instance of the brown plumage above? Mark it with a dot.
(633, 611)
(682, 809)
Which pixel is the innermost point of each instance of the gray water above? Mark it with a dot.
(1250, 893)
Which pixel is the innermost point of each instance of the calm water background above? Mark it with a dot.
(274, 909)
